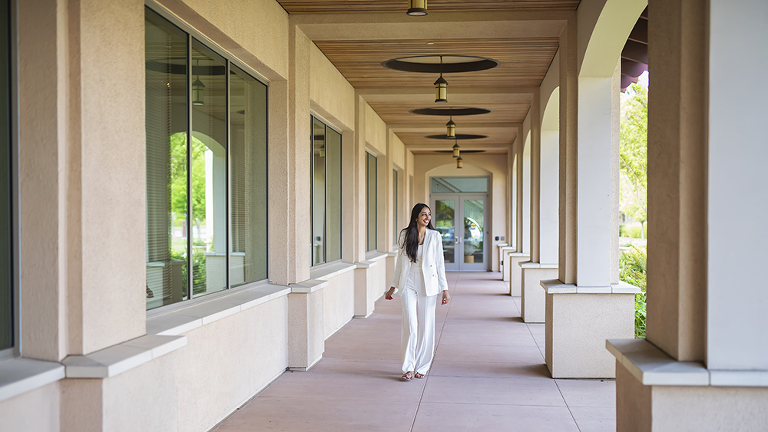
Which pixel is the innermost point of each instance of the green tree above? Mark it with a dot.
(634, 154)
(179, 178)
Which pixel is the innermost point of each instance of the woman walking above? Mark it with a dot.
(420, 275)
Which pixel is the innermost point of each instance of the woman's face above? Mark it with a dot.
(424, 217)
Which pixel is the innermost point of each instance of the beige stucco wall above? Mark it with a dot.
(254, 31)
(338, 302)
(17, 412)
(330, 93)
(226, 362)
(397, 149)
(375, 131)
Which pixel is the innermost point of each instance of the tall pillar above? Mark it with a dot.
(521, 224)
(582, 307)
(544, 189)
(706, 343)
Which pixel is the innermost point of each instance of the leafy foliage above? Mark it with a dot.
(634, 154)
(632, 266)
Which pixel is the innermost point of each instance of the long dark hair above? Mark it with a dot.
(410, 234)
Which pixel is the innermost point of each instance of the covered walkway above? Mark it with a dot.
(488, 374)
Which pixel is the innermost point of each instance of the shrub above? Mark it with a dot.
(632, 265)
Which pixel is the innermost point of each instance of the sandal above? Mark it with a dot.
(418, 375)
(408, 376)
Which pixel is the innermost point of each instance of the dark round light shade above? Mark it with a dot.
(457, 137)
(432, 63)
(450, 111)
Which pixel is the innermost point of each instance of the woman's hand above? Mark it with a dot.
(446, 297)
(388, 294)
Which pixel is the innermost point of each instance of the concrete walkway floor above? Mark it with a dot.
(488, 375)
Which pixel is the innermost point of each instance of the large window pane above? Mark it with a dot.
(248, 178)
(394, 207)
(370, 197)
(333, 195)
(6, 260)
(318, 192)
(209, 170)
(166, 129)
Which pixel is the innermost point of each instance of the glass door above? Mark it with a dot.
(461, 221)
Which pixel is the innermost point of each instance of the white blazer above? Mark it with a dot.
(432, 264)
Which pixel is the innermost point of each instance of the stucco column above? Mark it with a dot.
(706, 177)
(543, 261)
(521, 211)
(582, 307)
(363, 302)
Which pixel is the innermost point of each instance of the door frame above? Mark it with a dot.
(459, 198)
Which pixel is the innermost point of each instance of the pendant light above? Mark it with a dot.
(197, 89)
(450, 130)
(417, 8)
(441, 87)
(456, 150)
(459, 163)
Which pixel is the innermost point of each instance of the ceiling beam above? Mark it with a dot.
(471, 25)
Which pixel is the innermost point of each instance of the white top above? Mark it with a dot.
(419, 256)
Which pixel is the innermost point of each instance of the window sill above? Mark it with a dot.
(182, 320)
(651, 366)
(20, 375)
(554, 286)
(375, 255)
(528, 264)
(122, 357)
(328, 271)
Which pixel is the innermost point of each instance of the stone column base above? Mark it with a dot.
(656, 393)
(364, 303)
(515, 272)
(532, 302)
(306, 323)
(578, 321)
(504, 252)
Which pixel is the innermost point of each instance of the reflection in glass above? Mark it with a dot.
(248, 178)
(394, 207)
(6, 278)
(318, 191)
(473, 231)
(370, 197)
(445, 211)
(333, 195)
(458, 184)
(209, 173)
(166, 159)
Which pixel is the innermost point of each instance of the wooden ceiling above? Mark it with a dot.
(367, 6)
(523, 61)
(358, 35)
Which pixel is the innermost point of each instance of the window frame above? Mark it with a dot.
(191, 35)
(312, 117)
(395, 191)
(368, 155)
(13, 122)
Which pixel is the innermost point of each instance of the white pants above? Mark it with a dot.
(418, 336)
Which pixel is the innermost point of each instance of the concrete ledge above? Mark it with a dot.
(328, 271)
(528, 264)
(375, 255)
(119, 358)
(365, 264)
(183, 319)
(308, 286)
(653, 367)
(554, 286)
(20, 375)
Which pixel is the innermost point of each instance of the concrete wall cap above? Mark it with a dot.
(375, 255)
(554, 286)
(308, 286)
(329, 271)
(530, 265)
(21, 375)
(119, 358)
(184, 319)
